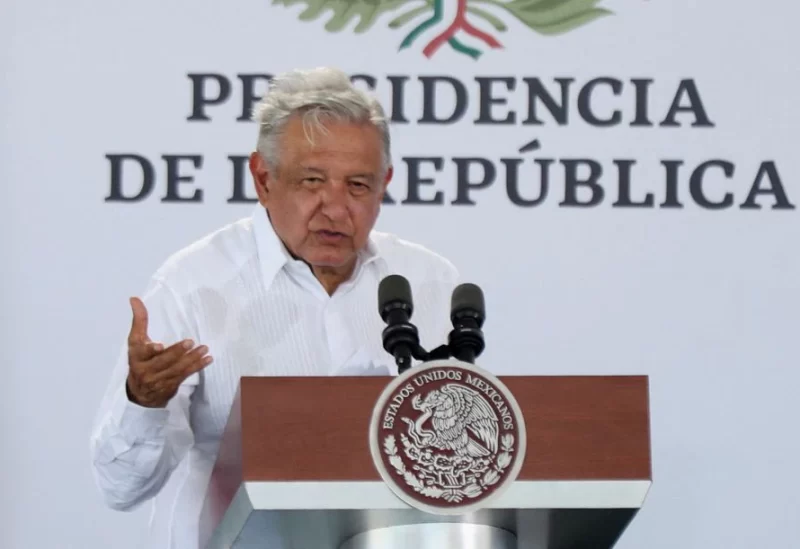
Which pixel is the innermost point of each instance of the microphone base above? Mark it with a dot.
(403, 363)
(466, 343)
(439, 353)
(465, 355)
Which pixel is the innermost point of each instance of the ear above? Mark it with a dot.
(261, 177)
(386, 181)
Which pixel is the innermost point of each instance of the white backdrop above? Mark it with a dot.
(705, 301)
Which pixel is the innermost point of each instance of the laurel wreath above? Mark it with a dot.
(390, 448)
(491, 476)
(473, 490)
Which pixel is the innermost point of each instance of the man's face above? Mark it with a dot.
(324, 199)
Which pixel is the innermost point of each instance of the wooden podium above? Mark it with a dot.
(294, 470)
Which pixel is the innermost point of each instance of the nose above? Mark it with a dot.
(334, 201)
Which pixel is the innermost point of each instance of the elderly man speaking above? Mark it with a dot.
(289, 291)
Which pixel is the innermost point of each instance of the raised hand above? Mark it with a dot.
(155, 373)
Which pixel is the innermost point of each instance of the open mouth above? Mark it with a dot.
(331, 236)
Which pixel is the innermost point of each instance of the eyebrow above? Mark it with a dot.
(368, 176)
(365, 175)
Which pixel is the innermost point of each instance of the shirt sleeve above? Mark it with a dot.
(135, 449)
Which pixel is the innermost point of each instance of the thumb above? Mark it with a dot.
(139, 324)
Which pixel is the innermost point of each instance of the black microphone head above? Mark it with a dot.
(467, 300)
(394, 291)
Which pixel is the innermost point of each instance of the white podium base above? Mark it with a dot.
(434, 536)
(544, 515)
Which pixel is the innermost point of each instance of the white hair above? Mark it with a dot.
(316, 95)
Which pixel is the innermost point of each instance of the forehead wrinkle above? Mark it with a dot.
(311, 168)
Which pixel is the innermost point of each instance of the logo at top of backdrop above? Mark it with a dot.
(547, 17)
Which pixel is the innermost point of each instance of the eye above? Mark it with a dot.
(359, 186)
(312, 180)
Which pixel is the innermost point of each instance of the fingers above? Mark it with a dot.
(191, 362)
(169, 356)
(155, 372)
(138, 333)
(142, 352)
(155, 380)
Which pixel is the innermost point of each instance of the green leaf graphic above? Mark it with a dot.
(490, 18)
(552, 16)
(401, 20)
(344, 11)
(575, 21)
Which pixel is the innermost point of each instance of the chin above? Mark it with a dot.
(332, 261)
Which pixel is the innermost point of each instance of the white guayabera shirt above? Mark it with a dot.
(261, 313)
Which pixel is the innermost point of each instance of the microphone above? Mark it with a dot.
(400, 337)
(467, 313)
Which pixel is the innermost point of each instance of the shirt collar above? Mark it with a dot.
(274, 256)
